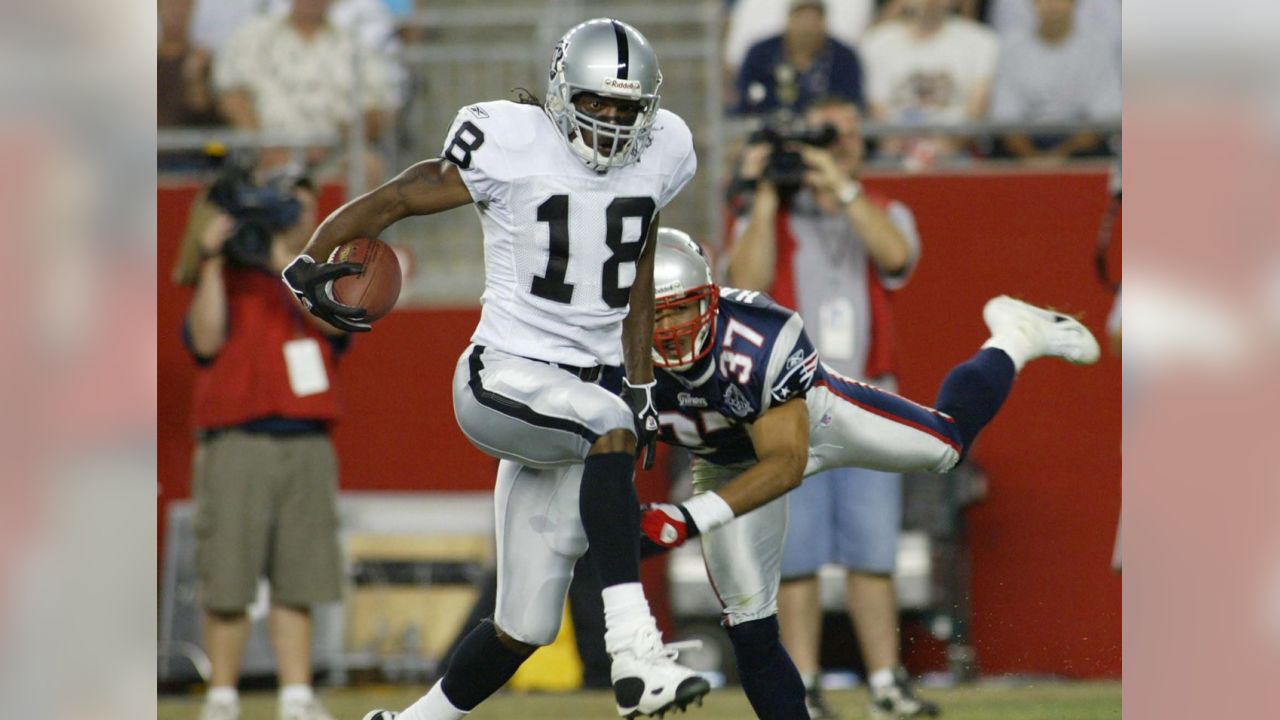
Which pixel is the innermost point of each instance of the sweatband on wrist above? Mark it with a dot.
(708, 510)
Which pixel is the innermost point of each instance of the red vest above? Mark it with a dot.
(880, 355)
(248, 380)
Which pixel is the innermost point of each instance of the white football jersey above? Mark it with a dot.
(560, 240)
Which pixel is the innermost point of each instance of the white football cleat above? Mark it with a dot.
(647, 680)
(1040, 332)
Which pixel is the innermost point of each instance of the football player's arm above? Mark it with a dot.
(637, 328)
(781, 440)
(637, 351)
(427, 187)
(430, 186)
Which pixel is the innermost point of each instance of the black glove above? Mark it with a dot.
(640, 398)
(312, 282)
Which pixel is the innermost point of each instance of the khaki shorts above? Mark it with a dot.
(266, 506)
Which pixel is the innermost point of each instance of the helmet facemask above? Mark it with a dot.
(668, 348)
(626, 141)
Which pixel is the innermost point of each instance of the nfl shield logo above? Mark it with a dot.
(736, 401)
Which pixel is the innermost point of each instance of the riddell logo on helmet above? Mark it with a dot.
(625, 87)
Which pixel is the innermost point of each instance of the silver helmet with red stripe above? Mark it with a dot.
(685, 301)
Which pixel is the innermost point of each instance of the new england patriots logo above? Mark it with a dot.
(736, 401)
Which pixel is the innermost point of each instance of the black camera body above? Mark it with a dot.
(260, 211)
(785, 167)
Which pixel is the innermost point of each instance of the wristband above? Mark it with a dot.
(708, 511)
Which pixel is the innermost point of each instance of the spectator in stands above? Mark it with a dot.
(1057, 74)
(1099, 19)
(835, 252)
(750, 21)
(295, 75)
(217, 20)
(928, 66)
(374, 25)
(184, 97)
(804, 63)
(265, 476)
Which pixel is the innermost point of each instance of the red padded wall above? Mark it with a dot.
(1044, 599)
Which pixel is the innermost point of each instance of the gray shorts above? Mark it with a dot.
(531, 412)
(266, 506)
(540, 420)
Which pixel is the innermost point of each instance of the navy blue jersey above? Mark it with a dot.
(760, 357)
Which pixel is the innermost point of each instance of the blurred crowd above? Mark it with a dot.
(291, 68)
(935, 63)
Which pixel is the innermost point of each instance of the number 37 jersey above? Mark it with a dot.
(561, 241)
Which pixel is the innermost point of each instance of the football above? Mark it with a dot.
(377, 287)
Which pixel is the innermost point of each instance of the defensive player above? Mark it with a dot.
(741, 386)
(567, 193)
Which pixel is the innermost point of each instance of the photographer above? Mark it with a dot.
(265, 474)
(817, 242)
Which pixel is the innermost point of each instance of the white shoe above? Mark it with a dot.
(309, 710)
(220, 711)
(1042, 333)
(899, 701)
(647, 681)
(381, 715)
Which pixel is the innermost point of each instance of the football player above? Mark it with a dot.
(741, 386)
(568, 209)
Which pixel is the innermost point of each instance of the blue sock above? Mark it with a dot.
(480, 666)
(768, 676)
(974, 390)
(611, 516)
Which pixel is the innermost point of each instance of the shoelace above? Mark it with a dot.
(648, 643)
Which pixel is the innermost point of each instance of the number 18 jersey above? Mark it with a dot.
(561, 241)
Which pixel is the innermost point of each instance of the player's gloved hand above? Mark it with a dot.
(312, 282)
(667, 525)
(640, 398)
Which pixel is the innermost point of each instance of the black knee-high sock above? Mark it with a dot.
(974, 390)
(769, 678)
(480, 666)
(611, 516)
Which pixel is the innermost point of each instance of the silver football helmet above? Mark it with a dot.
(682, 278)
(610, 58)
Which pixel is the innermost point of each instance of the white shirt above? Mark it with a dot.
(751, 21)
(931, 79)
(560, 240)
(1078, 79)
(213, 22)
(299, 85)
(1097, 18)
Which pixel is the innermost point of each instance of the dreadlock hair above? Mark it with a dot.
(525, 96)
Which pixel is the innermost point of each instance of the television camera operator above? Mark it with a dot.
(808, 233)
(265, 475)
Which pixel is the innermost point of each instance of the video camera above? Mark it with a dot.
(260, 211)
(785, 167)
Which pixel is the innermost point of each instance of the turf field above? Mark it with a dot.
(991, 701)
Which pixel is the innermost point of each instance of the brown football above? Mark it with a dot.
(377, 287)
